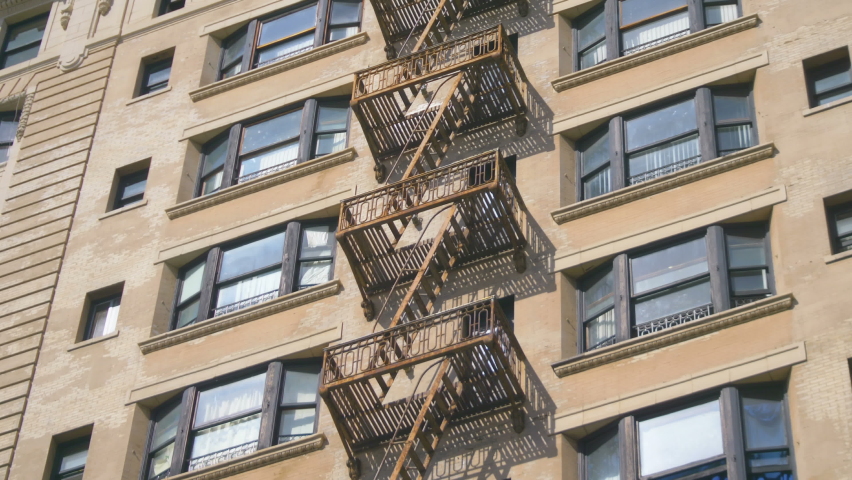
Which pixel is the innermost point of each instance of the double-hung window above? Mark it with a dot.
(232, 417)
(665, 138)
(8, 130)
(674, 282)
(23, 41)
(103, 317)
(642, 24)
(840, 225)
(276, 142)
(705, 438)
(254, 270)
(70, 460)
(830, 81)
(285, 34)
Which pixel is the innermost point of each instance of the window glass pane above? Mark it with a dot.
(288, 25)
(25, 33)
(598, 184)
(252, 256)
(192, 282)
(212, 183)
(837, 95)
(679, 438)
(296, 423)
(746, 249)
(161, 461)
(230, 399)
(659, 125)
(636, 10)
(730, 107)
(159, 73)
(669, 265)
(234, 49)
(187, 314)
(73, 456)
(763, 420)
(21, 56)
(133, 186)
(8, 129)
(222, 437)
(269, 132)
(600, 329)
(599, 295)
(4, 154)
(330, 143)
(603, 462)
(654, 33)
(843, 223)
(216, 153)
(685, 151)
(591, 30)
(269, 161)
(672, 301)
(745, 281)
(267, 283)
(769, 459)
(232, 70)
(831, 76)
(285, 48)
(345, 12)
(166, 427)
(317, 241)
(593, 56)
(595, 154)
(732, 139)
(314, 273)
(772, 476)
(332, 118)
(716, 14)
(300, 384)
(337, 33)
(104, 318)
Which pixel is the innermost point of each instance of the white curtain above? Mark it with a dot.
(601, 328)
(314, 273)
(249, 288)
(594, 56)
(663, 155)
(650, 32)
(679, 438)
(285, 156)
(227, 435)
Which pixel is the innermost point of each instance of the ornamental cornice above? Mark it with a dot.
(290, 63)
(262, 183)
(669, 48)
(246, 315)
(681, 333)
(667, 182)
(261, 458)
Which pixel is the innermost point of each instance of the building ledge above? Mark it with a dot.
(267, 181)
(261, 458)
(681, 333)
(669, 48)
(141, 98)
(828, 106)
(667, 182)
(224, 322)
(837, 257)
(92, 341)
(121, 210)
(290, 63)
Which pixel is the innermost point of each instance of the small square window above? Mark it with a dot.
(840, 224)
(168, 6)
(23, 41)
(155, 76)
(829, 77)
(102, 318)
(131, 189)
(70, 460)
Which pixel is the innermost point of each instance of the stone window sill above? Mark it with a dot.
(827, 106)
(149, 95)
(672, 47)
(246, 315)
(681, 333)
(262, 183)
(92, 341)
(290, 63)
(259, 459)
(838, 257)
(119, 211)
(667, 182)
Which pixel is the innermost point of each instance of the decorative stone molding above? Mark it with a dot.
(681, 333)
(672, 47)
(104, 7)
(290, 63)
(25, 116)
(261, 458)
(67, 63)
(65, 14)
(246, 315)
(243, 189)
(667, 182)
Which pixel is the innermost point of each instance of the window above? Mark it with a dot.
(254, 270)
(701, 439)
(8, 130)
(131, 189)
(840, 225)
(23, 40)
(267, 40)
(829, 80)
(155, 76)
(666, 138)
(70, 460)
(168, 6)
(643, 24)
(103, 316)
(233, 417)
(675, 282)
(273, 143)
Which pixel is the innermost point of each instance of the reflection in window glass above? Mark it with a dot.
(654, 33)
(271, 131)
(287, 35)
(598, 300)
(675, 300)
(345, 19)
(679, 438)
(594, 161)
(591, 39)
(603, 463)
(669, 265)
(227, 435)
(843, 228)
(633, 11)
(230, 399)
(661, 124)
(252, 256)
(763, 420)
(23, 40)
(716, 14)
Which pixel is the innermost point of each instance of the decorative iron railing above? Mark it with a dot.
(414, 342)
(248, 302)
(740, 301)
(655, 42)
(664, 170)
(443, 184)
(216, 458)
(266, 171)
(603, 343)
(673, 320)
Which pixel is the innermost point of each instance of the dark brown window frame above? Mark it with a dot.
(123, 181)
(612, 15)
(187, 402)
(213, 259)
(252, 33)
(835, 60)
(233, 137)
(733, 431)
(721, 293)
(4, 55)
(707, 128)
(836, 241)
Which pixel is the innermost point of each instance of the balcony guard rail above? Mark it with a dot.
(248, 302)
(664, 170)
(673, 320)
(216, 458)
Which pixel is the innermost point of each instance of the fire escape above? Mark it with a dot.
(405, 238)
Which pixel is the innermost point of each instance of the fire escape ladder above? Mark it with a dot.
(447, 14)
